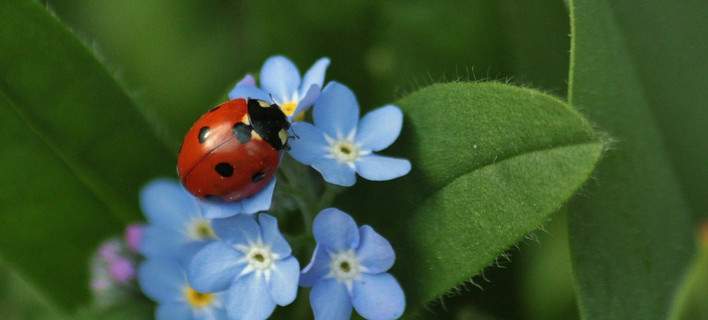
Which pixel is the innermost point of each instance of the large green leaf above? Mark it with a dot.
(631, 234)
(76, 151)
(491, 162)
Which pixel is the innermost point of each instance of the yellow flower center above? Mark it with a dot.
(197, 299)
(201, 230)
(289, 108)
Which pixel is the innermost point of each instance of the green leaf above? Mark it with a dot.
(76, 151)
(690, 300)
(631, 235)
(491, 162)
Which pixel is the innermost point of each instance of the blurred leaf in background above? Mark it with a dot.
(631, 236)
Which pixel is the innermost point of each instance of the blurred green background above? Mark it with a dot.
(177, 58)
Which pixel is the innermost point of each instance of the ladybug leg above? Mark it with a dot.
(293, 135)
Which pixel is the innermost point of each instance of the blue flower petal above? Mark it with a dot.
(280, 77)
(375, 252)
(379, 128)
(161, 242)
(379, 168)
(272, 236)
(238, 230)
(309, 143)
(249, 299)
(248, 80)
(248, 92)
(162, 280)
(284, 281)
(173, 311)
(336, 111)
(307, 100)
(260, 201)
(335, 172)
(316, 269)
(378, 297)
(215, 267)
(314, 76)
(165, 203)
(217, 209)
(335, 230)
(330, 300)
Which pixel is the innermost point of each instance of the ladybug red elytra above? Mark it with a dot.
(233, 151)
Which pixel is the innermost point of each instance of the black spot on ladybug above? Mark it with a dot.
(203, 134)
(242, 132)
(258, 176)
(224, 169)
(214, 108)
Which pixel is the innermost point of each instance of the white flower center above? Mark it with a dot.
(344, 151)
(260, 257)
(345, 267)
(200, 229)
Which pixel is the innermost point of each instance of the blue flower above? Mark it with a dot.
(340, 145)
(164, 280)
(177, 219)
(280, 79)
(253, 262)
(348, 269)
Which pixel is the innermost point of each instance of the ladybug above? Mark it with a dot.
(233, 151)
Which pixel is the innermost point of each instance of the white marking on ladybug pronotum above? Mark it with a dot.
(246, 120)
(263, 104)
(283, 135)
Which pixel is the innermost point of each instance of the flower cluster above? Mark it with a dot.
(229, 260)
(113, 266)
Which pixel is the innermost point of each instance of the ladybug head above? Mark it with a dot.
(269, 121)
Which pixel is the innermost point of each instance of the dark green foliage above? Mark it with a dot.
(491, 163)
(631, 235)
(76, 151)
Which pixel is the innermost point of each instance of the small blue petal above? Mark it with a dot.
(307, 100)
(162, 280)
(379, 168)
(335, 172)
(161, 242)
(315, 75)
(309, 143)
(249, 299)
(215, 267)
(379, 128)
(378, 297)
(375, 252)
(272, 236)
(248, 92)
(280, 77)
(166, 204)
(173, 311)
(248, 80)
(335, 230)
(330, 300)
(336, 112)
(284, 281)
(316, 269)
(217, 209)
(238, 230)
(260, 201)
